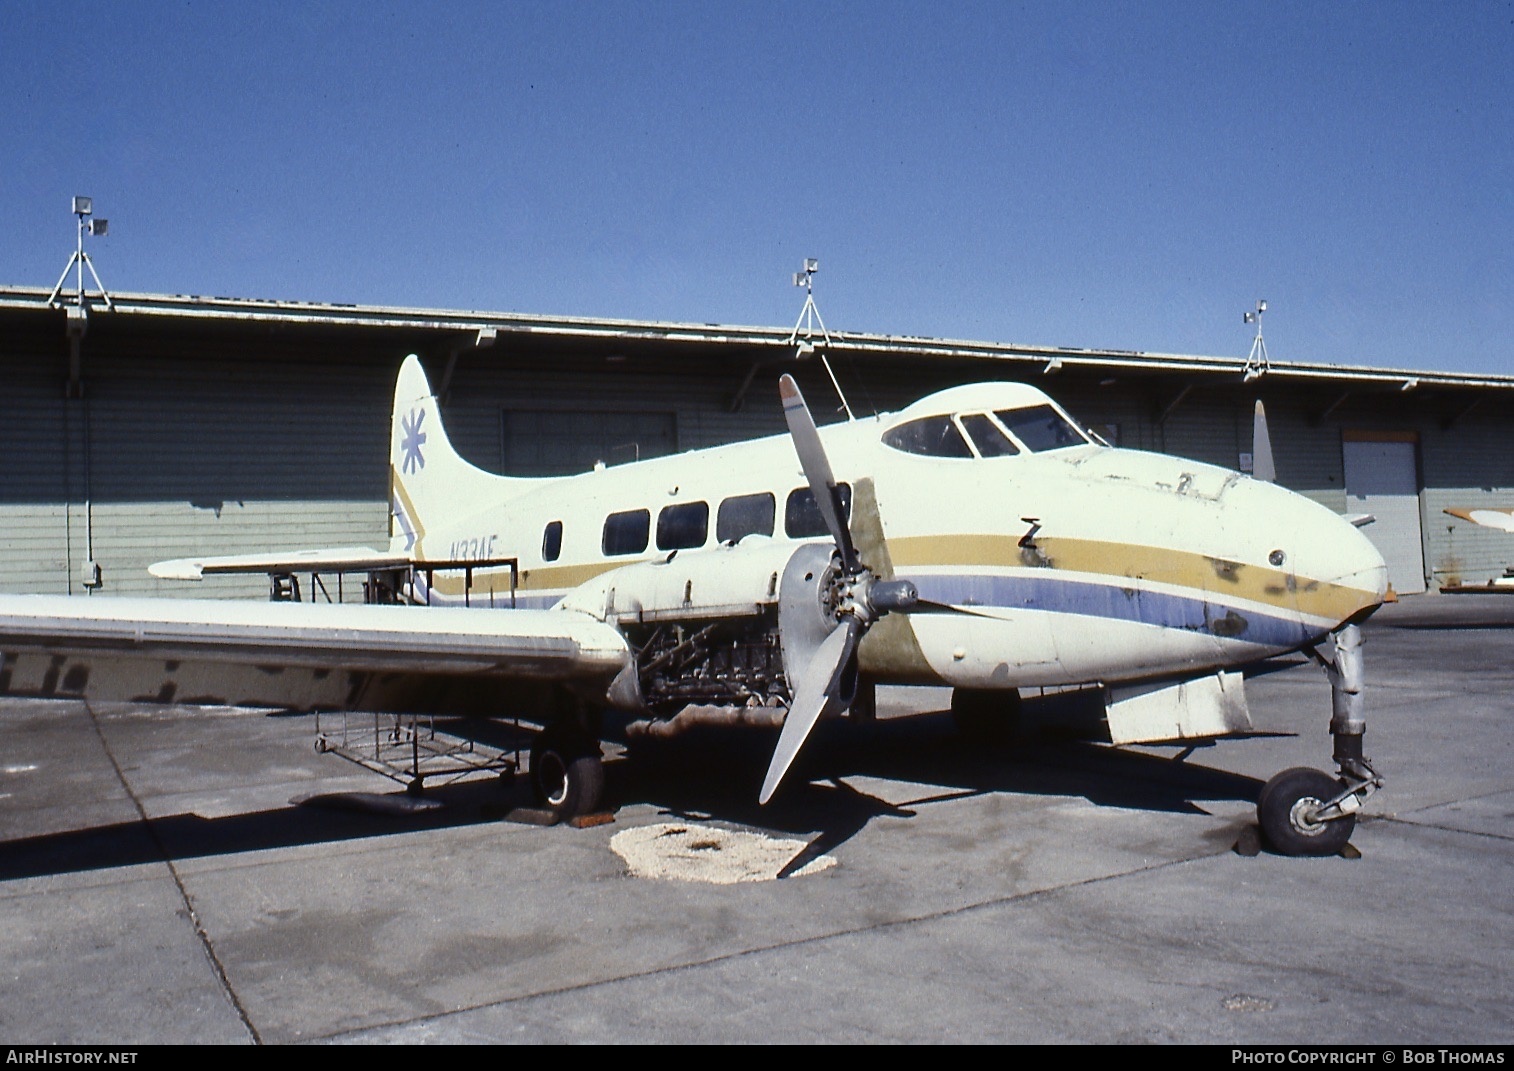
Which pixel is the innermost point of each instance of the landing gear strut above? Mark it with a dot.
(567, 774)
(1308, 812)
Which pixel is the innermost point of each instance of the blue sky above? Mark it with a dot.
(1126, 175)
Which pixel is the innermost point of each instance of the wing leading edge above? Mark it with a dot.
(539, 644)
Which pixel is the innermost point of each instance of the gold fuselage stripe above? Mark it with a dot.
(1222, 577)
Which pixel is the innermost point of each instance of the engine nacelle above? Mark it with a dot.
(732, 627)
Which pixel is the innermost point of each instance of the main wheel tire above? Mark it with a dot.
(986, 717)
(1284, 807)
(567, 780)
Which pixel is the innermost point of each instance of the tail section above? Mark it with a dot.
(430, 484)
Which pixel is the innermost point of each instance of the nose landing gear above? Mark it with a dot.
(1307, 812)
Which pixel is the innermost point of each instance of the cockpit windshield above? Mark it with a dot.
(1041, 428)
(1002, 433)
(987, 436)
(932, 436)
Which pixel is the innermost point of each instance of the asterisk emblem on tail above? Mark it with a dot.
(412, 440)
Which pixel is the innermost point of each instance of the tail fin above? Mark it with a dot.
(429, 482)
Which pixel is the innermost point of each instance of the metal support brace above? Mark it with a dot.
(1348, 721)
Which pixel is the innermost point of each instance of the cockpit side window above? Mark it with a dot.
(1040, 428)
(932, 436)
(987, 436)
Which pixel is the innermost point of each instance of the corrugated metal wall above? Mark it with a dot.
(168, 458)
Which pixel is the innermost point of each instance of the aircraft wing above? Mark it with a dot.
(337, 559)
(69, 645)
(1502, 519)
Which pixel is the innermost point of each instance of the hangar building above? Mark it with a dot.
(159, 426)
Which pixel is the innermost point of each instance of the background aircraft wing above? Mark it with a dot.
(1501, 519)
(337, 559)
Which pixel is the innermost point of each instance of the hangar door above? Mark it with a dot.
(1382, 478)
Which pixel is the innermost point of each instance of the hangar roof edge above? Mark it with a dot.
(1052, 358)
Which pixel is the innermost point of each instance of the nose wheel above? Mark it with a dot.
(1295, 810)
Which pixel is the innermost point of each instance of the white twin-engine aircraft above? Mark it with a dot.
(978, 539)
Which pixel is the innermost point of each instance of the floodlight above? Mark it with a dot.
(1257, 361)
(811, 264)
(83, 206)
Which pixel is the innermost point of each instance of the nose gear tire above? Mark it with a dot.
(1285, 812)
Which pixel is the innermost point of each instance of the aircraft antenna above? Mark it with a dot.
(809, 316)
(84, 210)
(1256, 361)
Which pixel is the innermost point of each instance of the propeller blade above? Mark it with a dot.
(925, 606)
(814, 696)
(1261, 447)
(817, 469)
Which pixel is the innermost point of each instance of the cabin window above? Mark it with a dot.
(932, 436)
(744, 515)
(987, 436)
(683, 526)
(626, 533)
(802, 517)
(1040, 427)
(551, 541)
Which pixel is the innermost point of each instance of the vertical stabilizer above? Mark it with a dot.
(430, 484)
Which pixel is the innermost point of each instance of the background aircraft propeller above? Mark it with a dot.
(1261, 447)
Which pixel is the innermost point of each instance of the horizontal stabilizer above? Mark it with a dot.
(335, 559)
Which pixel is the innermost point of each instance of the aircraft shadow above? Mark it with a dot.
(705, 774)
(318, 819)
(718, 777)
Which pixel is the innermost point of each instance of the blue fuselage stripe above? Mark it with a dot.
(1190, 613)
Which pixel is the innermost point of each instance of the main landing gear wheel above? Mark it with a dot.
(1286, 810)
(568, 778)
(986, 717)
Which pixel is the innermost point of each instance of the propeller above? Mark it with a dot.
(817, 692)
(863, 598)
(1262, 467)
(817, 469)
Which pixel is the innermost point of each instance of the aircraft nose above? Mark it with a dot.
(1337, 571)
